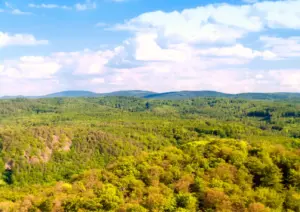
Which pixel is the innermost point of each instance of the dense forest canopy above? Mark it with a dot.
(139, 154)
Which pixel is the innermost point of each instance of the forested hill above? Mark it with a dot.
(133, 93)
(168, 95)
(137, 155)
(187, 95)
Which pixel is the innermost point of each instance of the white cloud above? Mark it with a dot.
(288, 80)
(97, 80)
(151, 67)
(12, 86)
(259, 76)
(216, 23)
(146, 49)
(279, 14)
(30, 68)
(203, 48)
(19, 12)
(38, 70)
(1, 68)
(93, 71)
(32, 59)
(15, 11)
(50, 6)
(180, 27)
(19, 40)
(239, 51)
(87, 5)
(284, 47)
(86, 62)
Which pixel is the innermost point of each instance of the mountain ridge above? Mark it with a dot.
(172, 95)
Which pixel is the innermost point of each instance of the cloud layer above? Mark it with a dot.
(229, 48)
(19, 40)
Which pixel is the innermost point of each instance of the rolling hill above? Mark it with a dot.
(264, 96)
(167, 95)
(187, 95)
(71, 94)
(132, 93)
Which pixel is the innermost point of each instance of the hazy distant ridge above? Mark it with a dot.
(165, 95)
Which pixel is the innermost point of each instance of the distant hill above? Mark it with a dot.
(264, 96)
(187, 95)
(194, 94)
(72, 94)
(168, 95)
(133, 93)
(12, 97)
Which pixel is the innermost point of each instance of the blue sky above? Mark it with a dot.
(106, 45)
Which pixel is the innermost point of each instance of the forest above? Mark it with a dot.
(137, 154)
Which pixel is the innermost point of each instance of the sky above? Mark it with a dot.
(231, 46)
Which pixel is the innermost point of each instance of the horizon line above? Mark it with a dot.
(135, 90)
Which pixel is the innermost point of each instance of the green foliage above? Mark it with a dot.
(131, 154)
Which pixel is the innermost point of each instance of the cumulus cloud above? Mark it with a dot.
(93, 71)
(284, 47)
(86, 62)
(239, 51)
(189, 71)
(30, 68)
(12, 86)
(19, 40)
(288, 80)
(217, 22)
(203, 48)
(279, 14)
(174, 27)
